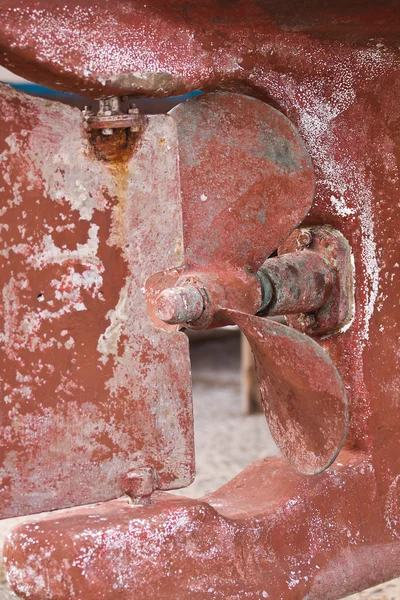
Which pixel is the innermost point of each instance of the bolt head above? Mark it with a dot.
(87, 112)
(140, 483)
(307, 321)
(304, 238)
(107, 131)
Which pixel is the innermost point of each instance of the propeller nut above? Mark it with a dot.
(179, 305)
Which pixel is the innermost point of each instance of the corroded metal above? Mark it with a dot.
(333, 293)
(278, 159)
(233, 221)
(269, 533)
(303, 396)
(140, 484)
(241, 162)
(333, 69)
(81, 362)
(302, 393)
(301, 282)
(110, 117)
(181, 304)
(313, 274)
(311, 280)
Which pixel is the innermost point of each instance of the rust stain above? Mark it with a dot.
(79, 238)
(270, 533)
(116, 148)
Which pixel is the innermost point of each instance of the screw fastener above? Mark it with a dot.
(307, 321)
(304, 238)
(110, 117)
(88, 112)
(139, 484)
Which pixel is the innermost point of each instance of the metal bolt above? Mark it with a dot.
(111, 104)
(179, 305)
(308, 320)
(140, 484)
(88, 112)
(110, 113)
(108, 107)
(134, 111)
(304, 238)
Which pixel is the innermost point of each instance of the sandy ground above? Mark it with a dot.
(225, 440)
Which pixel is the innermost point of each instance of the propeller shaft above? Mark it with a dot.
(301, 282)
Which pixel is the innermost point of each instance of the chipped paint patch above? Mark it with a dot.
(108, 341)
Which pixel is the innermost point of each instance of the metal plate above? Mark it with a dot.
(91, 390)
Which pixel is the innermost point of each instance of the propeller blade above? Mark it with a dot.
(247, 180)
(303, 396)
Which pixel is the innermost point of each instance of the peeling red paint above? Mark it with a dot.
(333, 70)
(80, 357)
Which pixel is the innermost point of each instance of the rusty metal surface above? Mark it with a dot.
(233, 217)
(269, 533)
(303, 396)
(336, 312)
(90, 389)
(241, 161)
(111, 115)
(301, 281)
(334, 71)
(175, 46)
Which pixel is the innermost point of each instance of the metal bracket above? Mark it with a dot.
(111, 116)
(337, 311)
